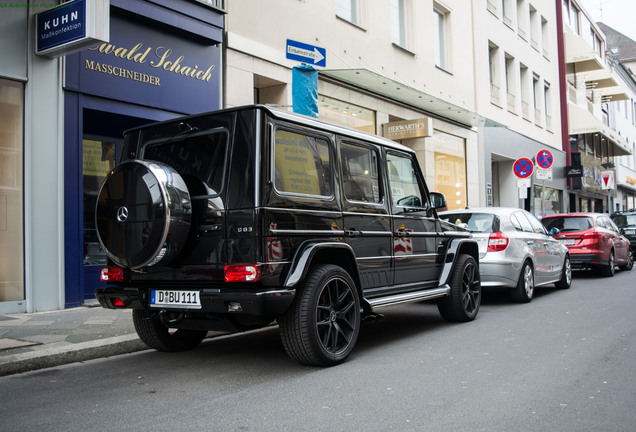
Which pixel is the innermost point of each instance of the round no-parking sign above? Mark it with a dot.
(523, 167)
(544, 159)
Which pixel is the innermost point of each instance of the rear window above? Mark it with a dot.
(565, 224)
(622, 220)
(475, 222)
(198, 154)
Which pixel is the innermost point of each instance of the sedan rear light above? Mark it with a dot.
(111, 274)
(593, 235)
(242, 273)
(497, 242)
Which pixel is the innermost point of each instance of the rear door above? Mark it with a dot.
(366, 220)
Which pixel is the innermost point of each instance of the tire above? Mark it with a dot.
(566, 275)
(143, 214)
(609, 270)
(630, 261)
(524, 291)
(462, 304)
(157, 336)
(322, 325)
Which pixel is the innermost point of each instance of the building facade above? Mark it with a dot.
(592, 88)
(517, 87)
(63, 130)
(385, 65)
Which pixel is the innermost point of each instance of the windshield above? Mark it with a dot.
(568, 223)
(475, 222)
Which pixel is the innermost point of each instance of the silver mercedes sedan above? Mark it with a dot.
(515, 250)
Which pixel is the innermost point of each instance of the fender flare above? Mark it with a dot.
(455, 247)
(305, 255)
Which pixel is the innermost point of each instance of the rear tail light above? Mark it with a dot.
(117, 302)
(111, 274)
(593, 235)
(497, 242)
(242, 273)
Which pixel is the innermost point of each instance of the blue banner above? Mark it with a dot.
(305, 90)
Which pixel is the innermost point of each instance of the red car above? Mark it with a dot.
(593, 239)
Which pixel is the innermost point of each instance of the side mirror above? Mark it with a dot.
(554, 231)
(438, 200)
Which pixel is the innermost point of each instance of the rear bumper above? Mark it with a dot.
(504, 273)
(263, 303)
(581, 260)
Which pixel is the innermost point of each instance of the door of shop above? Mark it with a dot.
(93, 143)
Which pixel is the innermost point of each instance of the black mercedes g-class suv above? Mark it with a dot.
(240, 218)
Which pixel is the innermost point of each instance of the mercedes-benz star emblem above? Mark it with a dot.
(122, 214)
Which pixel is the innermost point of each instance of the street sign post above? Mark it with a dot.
(309, 54)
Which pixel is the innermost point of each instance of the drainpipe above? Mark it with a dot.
(563, 90)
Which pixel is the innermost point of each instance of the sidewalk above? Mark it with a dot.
(30, 341)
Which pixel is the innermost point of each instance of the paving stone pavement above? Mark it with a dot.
(30, 341)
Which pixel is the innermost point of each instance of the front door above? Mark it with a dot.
(415, 234)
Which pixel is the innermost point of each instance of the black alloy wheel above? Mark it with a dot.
(464, 299)
(322, 326)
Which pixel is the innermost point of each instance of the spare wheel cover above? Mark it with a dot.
(143, 214)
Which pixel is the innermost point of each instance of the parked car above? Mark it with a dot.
(236, 219)
(626, 223)
(593, 239)
(515, 250)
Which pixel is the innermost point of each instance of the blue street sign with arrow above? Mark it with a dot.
(306, 53)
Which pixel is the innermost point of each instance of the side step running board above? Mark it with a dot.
(409, 297)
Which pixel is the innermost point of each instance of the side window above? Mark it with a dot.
(360, 173)
(406, 193)
(600, 221)
(536, 225)
(303, 164)
(523, 221)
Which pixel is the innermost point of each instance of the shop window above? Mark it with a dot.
(11, 191)
(346, 114)
(450, 168)
(547, 201)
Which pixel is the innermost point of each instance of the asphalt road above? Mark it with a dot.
(564, 362)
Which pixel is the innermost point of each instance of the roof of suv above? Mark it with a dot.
(282, 114)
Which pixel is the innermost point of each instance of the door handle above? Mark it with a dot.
(353, 233)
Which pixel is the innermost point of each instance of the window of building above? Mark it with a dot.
(536, 91)
(450, 168)
(399, 35)
(348, 10)
(547, 200)
(493, 56)
(510, 81)
(522, 19)
(523, 93)
(545, 37)
(508, 12)
(597, 44)
(547, 104)
(440, 24)
(346, 114)
(534, 27)
(11, 191)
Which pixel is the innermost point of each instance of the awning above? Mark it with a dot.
(397, 91)
(584, 122)
(581, 54)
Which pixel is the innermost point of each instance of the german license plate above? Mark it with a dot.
(175, 299)
(630, 231)
(568, 242)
